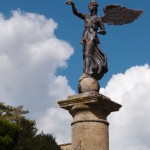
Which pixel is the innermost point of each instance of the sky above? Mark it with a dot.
(41, 62)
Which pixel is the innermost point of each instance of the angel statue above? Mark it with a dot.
(95, 62)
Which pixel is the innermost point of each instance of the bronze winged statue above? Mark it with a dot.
(95, 62)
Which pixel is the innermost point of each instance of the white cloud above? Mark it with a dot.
(129, 128)
(58, 122)
(30, 54)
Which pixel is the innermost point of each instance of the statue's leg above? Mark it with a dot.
(88, 58)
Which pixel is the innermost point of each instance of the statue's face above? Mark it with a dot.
(91, 7)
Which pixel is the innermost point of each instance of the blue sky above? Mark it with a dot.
(125, 46)
(41, 62)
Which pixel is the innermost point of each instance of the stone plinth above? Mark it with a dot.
(89, 127)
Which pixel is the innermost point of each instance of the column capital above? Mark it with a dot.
(89, 100)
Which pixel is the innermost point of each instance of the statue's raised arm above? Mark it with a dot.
(80, 15)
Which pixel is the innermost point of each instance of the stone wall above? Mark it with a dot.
(65, 146)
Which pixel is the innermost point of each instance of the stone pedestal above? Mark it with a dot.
(89, 127)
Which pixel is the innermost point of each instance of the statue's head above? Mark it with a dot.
(93, 6)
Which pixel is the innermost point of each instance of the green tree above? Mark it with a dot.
(19, 133)
(27, 134)
(13, 114)
(45, 142)
(9, 133)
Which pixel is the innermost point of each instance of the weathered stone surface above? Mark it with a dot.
(66, 146)
(92, 97)
(89, 127)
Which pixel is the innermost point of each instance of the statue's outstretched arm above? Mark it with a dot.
(75, 12)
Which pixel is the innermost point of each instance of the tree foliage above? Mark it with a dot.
(27, 134)
(13, 114)
(9, 133)
(45, 142)
(19, 133)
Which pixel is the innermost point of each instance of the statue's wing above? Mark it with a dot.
(119, 15)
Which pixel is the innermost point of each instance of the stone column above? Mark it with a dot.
(89, 127)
